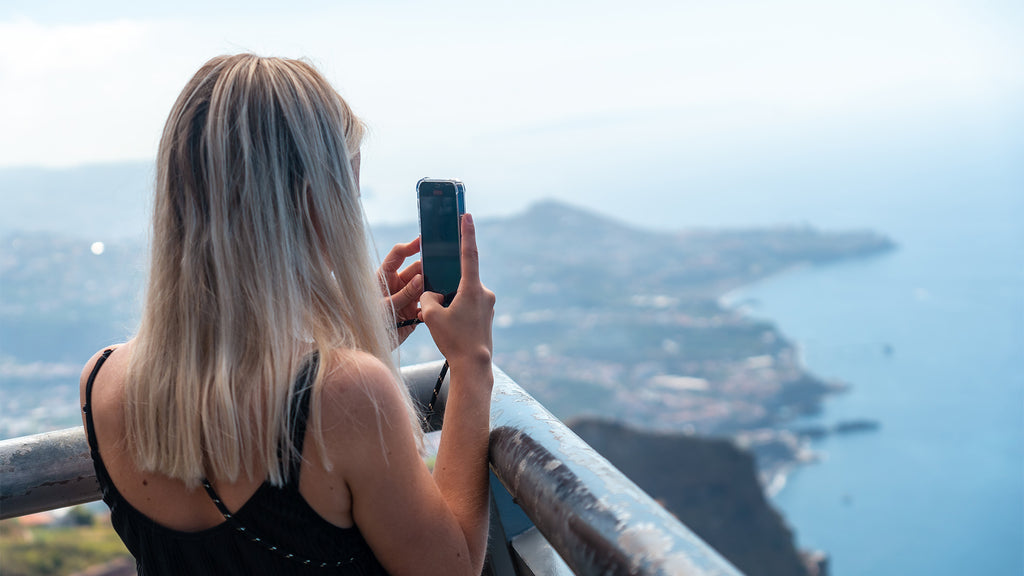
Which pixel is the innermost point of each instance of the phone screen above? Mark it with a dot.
(440, 208)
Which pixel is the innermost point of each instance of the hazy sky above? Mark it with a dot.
(615, 104)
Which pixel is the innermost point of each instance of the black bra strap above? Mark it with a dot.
(216, 499)
(268, 546)
(90, 428)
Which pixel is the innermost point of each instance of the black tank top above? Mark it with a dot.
(274, 532)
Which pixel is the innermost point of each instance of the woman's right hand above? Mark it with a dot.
(462, 331)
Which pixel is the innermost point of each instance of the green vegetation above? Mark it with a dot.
(89, 540)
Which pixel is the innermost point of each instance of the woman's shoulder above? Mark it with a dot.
(342, 364)
(113, 367)
(356, 385)
(362, 404)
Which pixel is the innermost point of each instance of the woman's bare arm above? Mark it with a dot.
(417, 523)
(462, 332)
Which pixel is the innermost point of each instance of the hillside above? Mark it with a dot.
(710, 485)
(596, 317)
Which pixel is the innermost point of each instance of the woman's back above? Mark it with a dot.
(173, 529)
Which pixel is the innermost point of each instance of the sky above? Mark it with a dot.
(793, 107)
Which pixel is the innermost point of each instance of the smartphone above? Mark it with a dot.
(441, 202)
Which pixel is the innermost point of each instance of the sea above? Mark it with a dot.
(930, 338)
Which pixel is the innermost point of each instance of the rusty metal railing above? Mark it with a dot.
(551, 492)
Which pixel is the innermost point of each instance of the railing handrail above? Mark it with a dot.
(46, 471)
(596, 518)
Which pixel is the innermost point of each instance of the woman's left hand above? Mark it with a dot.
(403, 288)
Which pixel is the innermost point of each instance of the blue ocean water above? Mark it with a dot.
(939, 488)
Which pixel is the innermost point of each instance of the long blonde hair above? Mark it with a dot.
(259, 257)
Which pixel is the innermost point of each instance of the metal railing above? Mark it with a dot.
(551, 491)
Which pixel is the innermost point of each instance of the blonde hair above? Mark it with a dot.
(259, 258)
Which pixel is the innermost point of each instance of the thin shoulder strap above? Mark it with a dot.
(300, 414)
(90, 428)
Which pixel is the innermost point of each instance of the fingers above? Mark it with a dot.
(410, 272)
(470, 255)
(394, 258)
(409, 294)
(430, 302)
(398, 254)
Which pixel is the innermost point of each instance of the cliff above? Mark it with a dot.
(710, 485)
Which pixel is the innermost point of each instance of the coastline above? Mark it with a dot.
(775, 470)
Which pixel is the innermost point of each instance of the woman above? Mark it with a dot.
(256, 424)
